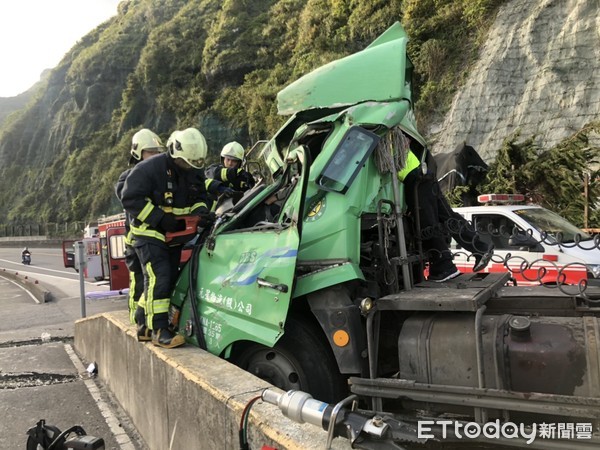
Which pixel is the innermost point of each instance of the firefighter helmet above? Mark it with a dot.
(188, 145)
(144, 139)
(233, 150)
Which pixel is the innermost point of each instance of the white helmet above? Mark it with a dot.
(188, 145)
(233, 150)
(144, 139)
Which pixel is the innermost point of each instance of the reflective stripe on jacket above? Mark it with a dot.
(235, 178)
(412, 162)
(143, 195)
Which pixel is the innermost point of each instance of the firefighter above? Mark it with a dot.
(155, 194)
(437, 219)
(144, 145)
(230, 171)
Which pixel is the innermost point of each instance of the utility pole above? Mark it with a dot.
(80, 263)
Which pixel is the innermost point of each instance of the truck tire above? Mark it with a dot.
(301, 360)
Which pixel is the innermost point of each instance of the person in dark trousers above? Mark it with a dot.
(230, 171)
(144, 144)
(157, 193)
(438, 219)
(26, 256)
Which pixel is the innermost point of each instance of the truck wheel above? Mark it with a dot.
(299, 361)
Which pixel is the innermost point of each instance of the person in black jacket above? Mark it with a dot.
(438, 220)
(230, 171)
(144, 144)
(156, 194)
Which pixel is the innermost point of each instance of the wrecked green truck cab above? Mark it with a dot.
(315, 278)
(251, 271)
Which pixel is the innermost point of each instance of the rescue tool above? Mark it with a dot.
(49, 437)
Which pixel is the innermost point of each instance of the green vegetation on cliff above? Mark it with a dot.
(212, 64)
(553, 178)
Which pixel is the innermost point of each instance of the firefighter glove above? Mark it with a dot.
(247, 179)
(206, 219)
(169, 223)
(227, 192)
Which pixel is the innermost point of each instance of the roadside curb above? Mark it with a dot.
(41, 293)
(186, 397)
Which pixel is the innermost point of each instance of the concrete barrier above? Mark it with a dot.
(40, 292)
(186, 398)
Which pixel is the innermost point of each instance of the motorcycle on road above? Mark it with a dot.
(26, 258)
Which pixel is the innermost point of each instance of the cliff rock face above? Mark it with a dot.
(8, 105)
(218, 65)
(539, 72)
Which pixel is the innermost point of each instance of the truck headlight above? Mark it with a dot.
(594, 269)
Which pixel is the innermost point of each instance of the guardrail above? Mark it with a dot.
(38, 291)
(49, 229)
(30, 241)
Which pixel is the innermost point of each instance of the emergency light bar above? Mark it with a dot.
(500, 198)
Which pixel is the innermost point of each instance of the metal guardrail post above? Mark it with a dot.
(80, 264)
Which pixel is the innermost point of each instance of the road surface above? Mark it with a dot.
(41, 377)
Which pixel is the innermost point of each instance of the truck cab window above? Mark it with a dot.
(347, 159)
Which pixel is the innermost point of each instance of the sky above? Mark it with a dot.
(36, 34)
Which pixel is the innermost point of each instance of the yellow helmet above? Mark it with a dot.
(144, 139)
(188, 145)
(233, 150)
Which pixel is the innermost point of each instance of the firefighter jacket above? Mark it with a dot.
(118, 192)
(417, 159)
(411, 163)
(157, 186)
(235, 178)
(121, 182)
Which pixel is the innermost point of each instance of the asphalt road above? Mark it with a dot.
(41, 377)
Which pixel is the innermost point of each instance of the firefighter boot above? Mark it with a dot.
(163, 337)
(144, 334)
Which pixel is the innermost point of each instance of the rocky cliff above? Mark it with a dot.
(538, 73)
(9, 105)
(218, 64)
(166, 64)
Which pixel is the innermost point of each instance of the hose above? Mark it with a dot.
(193, 263)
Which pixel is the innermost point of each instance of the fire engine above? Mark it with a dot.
(536, 245)
(104, 249)
(104, 252)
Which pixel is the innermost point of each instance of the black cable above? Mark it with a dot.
(192, 293)
(243, 432)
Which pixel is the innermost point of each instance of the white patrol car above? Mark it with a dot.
(526, 240)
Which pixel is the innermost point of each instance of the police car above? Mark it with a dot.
(535, 244)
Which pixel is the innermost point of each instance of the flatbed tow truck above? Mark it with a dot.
(314, 282)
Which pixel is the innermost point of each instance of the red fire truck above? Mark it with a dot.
(104, 251)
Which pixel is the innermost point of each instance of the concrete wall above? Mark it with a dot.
(185, 398)
(41, 293)
(538, 72)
